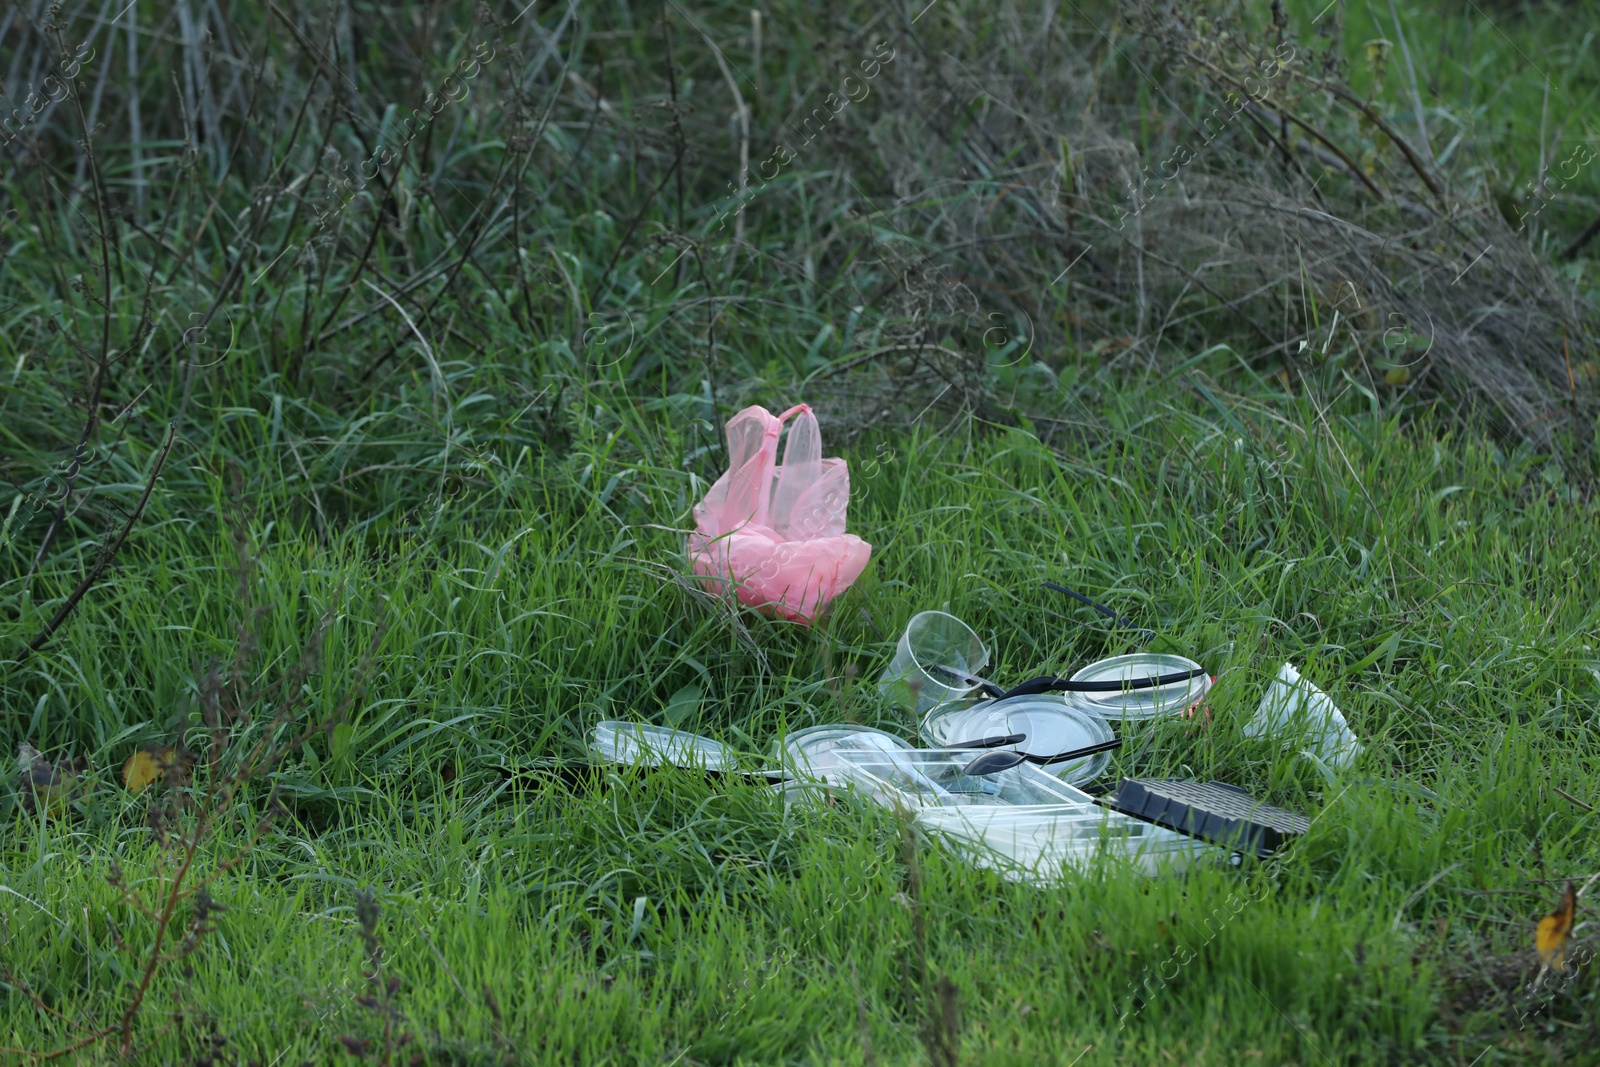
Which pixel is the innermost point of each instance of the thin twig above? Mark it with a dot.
(97, 384)
(65, 1050)
(1572, 250)
(1575, 800)
(106, 555)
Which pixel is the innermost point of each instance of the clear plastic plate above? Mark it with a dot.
(651, 746)
(1132, 704)
(1053, 722)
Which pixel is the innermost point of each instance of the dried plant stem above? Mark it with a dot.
(1412, 157)
(1571, 251)
(106, 555)
(65, 1050)
(97, 383)
(174, 895)
(1286, 115)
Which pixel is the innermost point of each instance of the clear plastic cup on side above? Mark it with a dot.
(933, 640)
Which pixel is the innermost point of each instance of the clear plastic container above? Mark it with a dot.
(1044, 846)
(935, 777)
(1053, 722)
(1026, 844)
(651, 746)
(804, 793)
(1135, 704)
(1028, 825)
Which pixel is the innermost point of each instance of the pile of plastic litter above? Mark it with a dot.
(1002, 776)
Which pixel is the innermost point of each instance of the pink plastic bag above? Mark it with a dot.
(775, 534)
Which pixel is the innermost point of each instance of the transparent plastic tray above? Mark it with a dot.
(1044, 846)
(1023, 822)
(935, 777)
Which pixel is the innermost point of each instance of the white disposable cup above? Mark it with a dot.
(933, 639)
(1295, 709)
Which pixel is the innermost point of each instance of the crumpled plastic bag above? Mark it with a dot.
(774, 534)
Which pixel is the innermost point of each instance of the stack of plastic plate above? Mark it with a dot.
(1053, 723)
(1132, 705)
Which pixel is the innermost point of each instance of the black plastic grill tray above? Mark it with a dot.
(1212, 811)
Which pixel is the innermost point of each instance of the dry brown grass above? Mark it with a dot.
(1270, 207)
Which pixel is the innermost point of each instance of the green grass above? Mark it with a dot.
(1504, 82)
(510, 526)
(1440, 592)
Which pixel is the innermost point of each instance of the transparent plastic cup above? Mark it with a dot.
(933, 639)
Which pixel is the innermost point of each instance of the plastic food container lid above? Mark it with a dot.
(1133, 704)
(651, 746)
(1053, 723)
(811, 751)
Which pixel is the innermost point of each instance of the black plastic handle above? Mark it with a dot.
(1077, 753)
(1146, 635)
(990, 742)
(1051, 684)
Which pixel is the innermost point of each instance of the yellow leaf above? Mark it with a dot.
(1397, 375)
(1554, 929)
(145, 766)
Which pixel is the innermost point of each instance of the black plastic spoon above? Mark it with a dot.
(994, 762)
